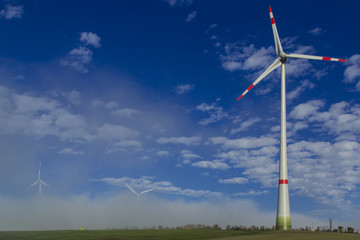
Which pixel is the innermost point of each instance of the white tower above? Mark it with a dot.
(283, 220)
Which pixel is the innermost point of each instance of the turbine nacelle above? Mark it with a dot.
(283, 57)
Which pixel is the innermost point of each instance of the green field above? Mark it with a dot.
(171, 234)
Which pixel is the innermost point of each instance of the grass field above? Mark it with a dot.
(172, 234)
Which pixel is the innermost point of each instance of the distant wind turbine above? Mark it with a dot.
(283, 220)
(138, 194)
(38, 181)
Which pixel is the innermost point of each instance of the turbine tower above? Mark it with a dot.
(38, 181)
(283, 220)
(138, 194)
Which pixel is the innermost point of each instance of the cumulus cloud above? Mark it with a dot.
(73, 97)
(116, 132)
(307, 109)
(306, 84)
(245, 125)
(184, 88)
(216, 113)
(215, 164)
(125, 145)
(173, 3)
(78, 58)
(70, 152)
(124, 113)
(189, 141)
(316, 31)
(91, 39)
(352, 71)
(162, 153)
(41, 117)
(11, 12)
(235, 180)
(251, 193)
(191, 16)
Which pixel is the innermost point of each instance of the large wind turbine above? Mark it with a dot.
(136, 193)
(38, 181)
(283, 220)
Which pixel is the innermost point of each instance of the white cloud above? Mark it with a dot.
(316, 31)
(307, 109)
(178, 2)
(352, 72)
(116, 132)
(189, 141)
(124, 113)
(111, 105)
(70, 152)
(216, 113)
(162, 153)
(125, 145)
(235, 180)
(92, 39)
(78, 58)
(245, 125)
(244, 143)
(215, 164)
(306, 84)
(251, 193)
(73, 97)
(191, 16)
(12, 12)
(41, 117)
(239, 57)
(184, 88)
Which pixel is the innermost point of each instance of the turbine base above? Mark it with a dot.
(283, 223)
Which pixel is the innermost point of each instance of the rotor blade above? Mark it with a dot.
(132, 189)
(314, 57)
(39, 170)
(42, 182)
(146, 191)
(32, 185)
(273, 66)
(275, 32)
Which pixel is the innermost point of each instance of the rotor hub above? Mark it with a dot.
(282, 57)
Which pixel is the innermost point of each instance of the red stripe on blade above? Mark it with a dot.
(326, 58)
(283, 181)
(269, 9)
(342, 60)
(251, 86)
(239, 97)
(272, 21)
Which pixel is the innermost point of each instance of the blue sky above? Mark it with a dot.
(109, 93)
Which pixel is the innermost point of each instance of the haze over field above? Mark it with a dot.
(109, 93)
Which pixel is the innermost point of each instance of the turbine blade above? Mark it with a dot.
(146, 191)
(39, 170)
(132, 189)
(275, 32)
(273, 66)
(315, 57)
(32, 185)
(42, 182)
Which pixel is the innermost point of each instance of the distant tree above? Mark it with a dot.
(216, 227)
(350, 230)
(340, 229)
(160, 227)
(228, 227)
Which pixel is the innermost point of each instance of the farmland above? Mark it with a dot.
(172, 234)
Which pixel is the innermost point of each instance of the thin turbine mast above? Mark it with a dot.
(38, 181)
(283, 220)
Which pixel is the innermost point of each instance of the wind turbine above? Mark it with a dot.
(138, 194)
(283, 220)
(38, 181)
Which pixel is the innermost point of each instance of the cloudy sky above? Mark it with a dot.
(109, 93)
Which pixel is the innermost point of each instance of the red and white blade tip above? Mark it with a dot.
(333, 59)
(270, 9)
